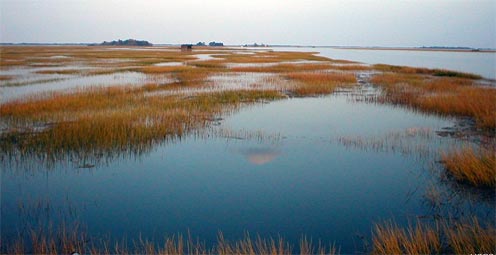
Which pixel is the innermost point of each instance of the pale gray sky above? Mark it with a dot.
(312, 22)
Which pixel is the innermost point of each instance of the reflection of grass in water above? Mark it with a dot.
(446, 96)
(443, 237)
(477, 168)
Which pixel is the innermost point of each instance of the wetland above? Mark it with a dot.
(233, 150)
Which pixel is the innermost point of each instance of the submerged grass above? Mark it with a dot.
(477, 168)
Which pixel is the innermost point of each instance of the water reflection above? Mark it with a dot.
(260, 156)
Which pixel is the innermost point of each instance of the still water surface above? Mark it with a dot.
(481, 63)
(292, 178)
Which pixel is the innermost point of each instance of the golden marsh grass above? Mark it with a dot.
(420, 70)
(442, 237)
(69, 242)
(475, 167)
(445, 96)
(113, 119)
(320, 83)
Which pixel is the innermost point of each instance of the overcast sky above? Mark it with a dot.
(306, 22)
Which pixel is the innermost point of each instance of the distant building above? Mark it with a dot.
(186, 46)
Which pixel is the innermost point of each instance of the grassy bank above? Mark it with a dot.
(440, 95)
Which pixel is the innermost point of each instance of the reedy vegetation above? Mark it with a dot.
(474, 167)
(440, 237)
(67, 241)
(445, 96)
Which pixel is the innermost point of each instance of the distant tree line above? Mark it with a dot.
(128, 42)
(209, 44)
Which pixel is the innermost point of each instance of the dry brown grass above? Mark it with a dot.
(420, 70)
(271, 57)
(67, 242)
(70, 71)
(112, 120)
(446, 96)
(419, 239)
(477, 168)
(282, 68)
(351, 67)
(6, 77)
(468, 237)
(319, 83)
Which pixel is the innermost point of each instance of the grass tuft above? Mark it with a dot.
(477, 168)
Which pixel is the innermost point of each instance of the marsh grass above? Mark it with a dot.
(445, 96)
(319, 83)
(271, 57)
(112, 120)
(420, 70)
(70, 71)
(474, 167)
(6, 77)
(440, 237)
(282, 68)
(68, 240)
(411, 141)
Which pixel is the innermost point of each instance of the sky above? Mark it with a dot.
(388, 23)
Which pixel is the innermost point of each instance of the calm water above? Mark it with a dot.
(482, 63)
(271, 169)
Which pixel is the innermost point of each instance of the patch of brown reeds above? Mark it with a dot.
(271, 57)
(6, 77)
(71, 71)
(112, 120)
(446, 96)
(67, 242)
(421, 70)
(467, 237)
(475, 167)
(282, 68)
(319, 83)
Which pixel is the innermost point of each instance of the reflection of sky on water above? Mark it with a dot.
(259, 156)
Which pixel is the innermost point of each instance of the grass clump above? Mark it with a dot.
(467, 237)
(319, 83)
(476, 168)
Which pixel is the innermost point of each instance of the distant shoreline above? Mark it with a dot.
(440, 49)
(417, 49)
